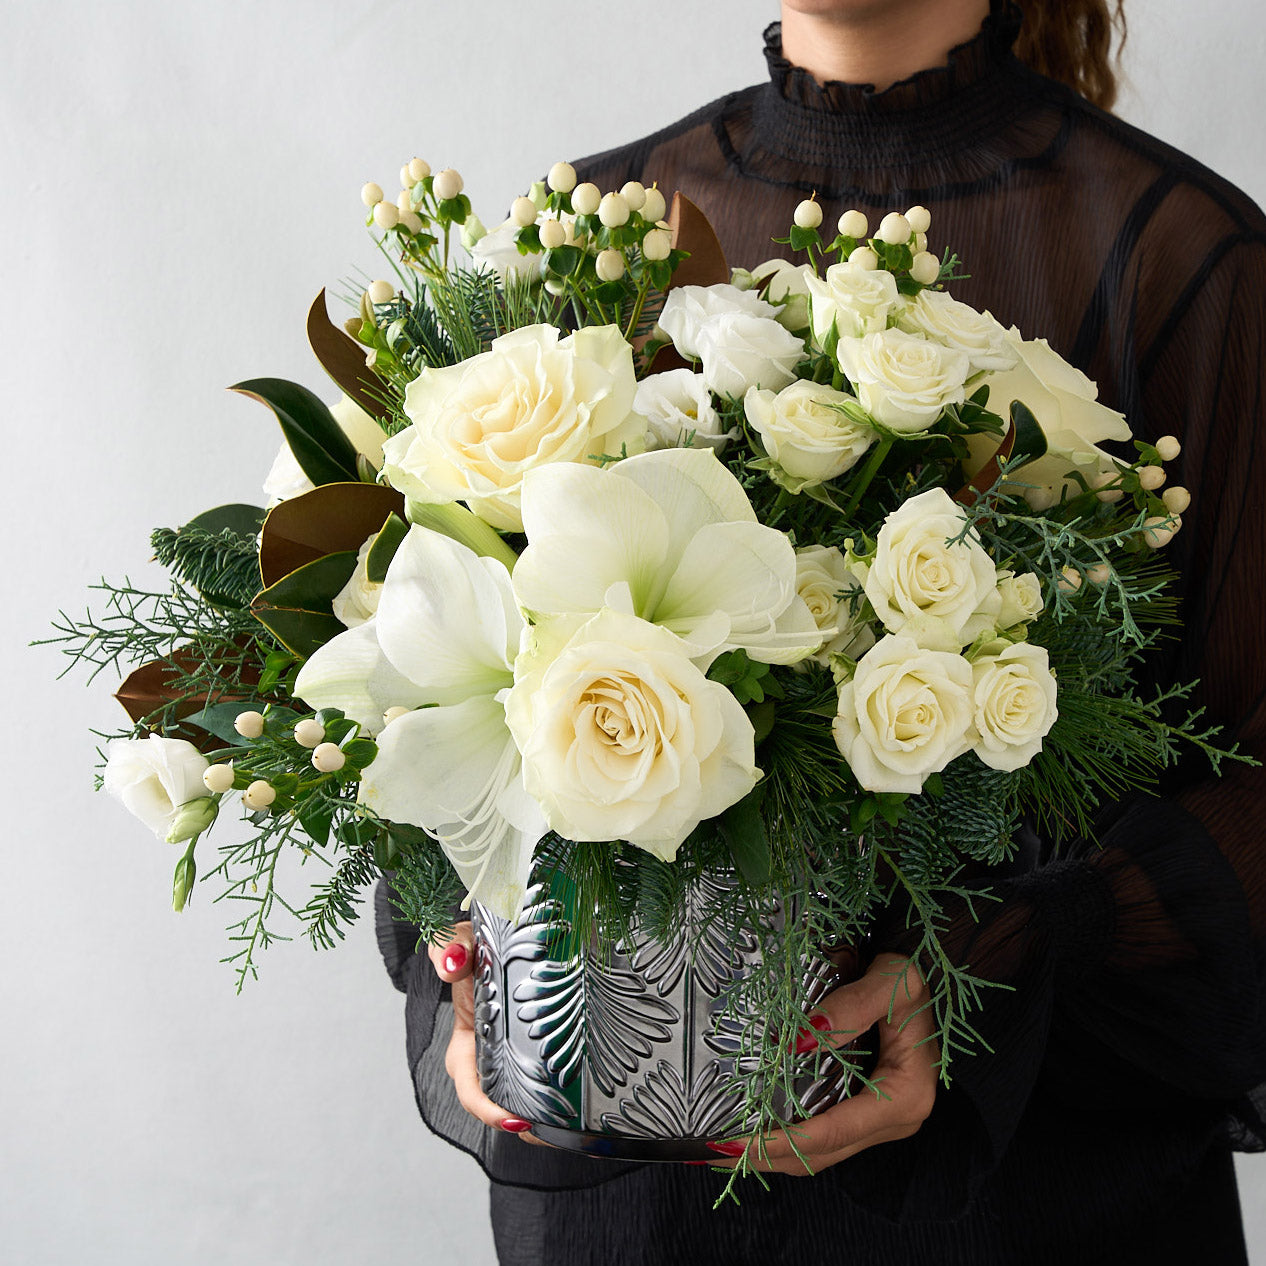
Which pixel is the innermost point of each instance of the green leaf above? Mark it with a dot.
(317, 441)
(562, 261)
(743, 829)
(316, 820)
(218, 719)
(298, 610)
(1030, 439)
(241, 520)
(383, 550)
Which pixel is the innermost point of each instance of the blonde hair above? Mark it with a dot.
(1072, 41)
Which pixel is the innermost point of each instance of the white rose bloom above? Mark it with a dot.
(154, 776)
(903, 382)
(624, 738)
(945, 320)
(1064, 402)
(533, 399)
(825, 584)
(946, 593)
(1015, 705)
(855, 300)
(499, 252)
(357, 601)
(905, 715)
(786, 285)
(675, 404)
(1021, 598)
(688, 308)
(806, 432)
(286, 478)
(740, 350)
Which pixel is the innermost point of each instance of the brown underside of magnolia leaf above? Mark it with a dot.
(343, 358)
(985, 478)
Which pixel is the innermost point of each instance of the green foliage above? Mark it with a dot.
(317, 441)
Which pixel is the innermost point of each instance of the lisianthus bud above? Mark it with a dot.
(218, 778)
(808, 214)
(654, 206)
(1158, 532)
(250, 725)
(1176, 499)
(182, 882)
(609, 265)
(395, 713)
(473, 231)
(925, 268)
(1168, 447)
(447, 184)
(371, 194)
(191, 820)
(386, 216)
(562, 177)
(853, 224)
(259, 795)
(328, 759)
(381, 292)
(864, 257)
(613, 211)
(894, 229)
(919, 219)
(309, 732)
(657, 244)
(553, 234)
(586, 198)
(419, 169)
(634, 193)
(1151, 477)
(523, 212)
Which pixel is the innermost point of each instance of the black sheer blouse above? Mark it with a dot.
(1125, 1061)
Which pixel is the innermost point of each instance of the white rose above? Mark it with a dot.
(1021, 598)
(903, 382)
(531, 400)
(740, 350)
(675, 404)
(357, 601)
(806, 432)
(855, 300)
(499, 251)
(1015, 707)
(1064, 402)
(786, 285)
(286, 478)
(154, 776)
(946, 593)
(826, 585)
(935, 315)
(688, 308)
(905, 715)
(623, 738)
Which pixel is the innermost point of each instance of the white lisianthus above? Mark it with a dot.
(671, 538)
(903, 382)
(533, 399)
(944, 594)
(688, 308)
(853, 299)
(357, 601)
(1064, 401)
(442, 645)
(740, 350)
(825, 584)
(906, 713)
(154, 777)
(786, 285)
(498, 251)
(808, 431)
(677, 404)
(286, 478)
(945, 320)
(624, 738)
(1015, 705)
(1021, 597)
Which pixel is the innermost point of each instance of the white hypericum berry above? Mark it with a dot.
(447, 184)
(419, 169)
(259, 795)
(919, 219)
(381, 292)
(411, 221)
(1040, 499)
(394, 714)
(1151, 477)
(553, 234)
(586, 198)
(250, 725)
(613, 211)
(218, 778)
(654, 207)
(920, 242)
(386, 216)
(523, 211)
(864, 257)
(808, 214)
(634, 193)
(555, 287)
(925, 268)
(1158, 532)
(657, 244)
(404, 202)
(309, 732)
(1168, 447)
(561, 178)
(405, 182)
(328, 758)
(609, 265)
(1069, 580)
(371, 194)
(1100, 483)
(894, 229)
(1176, 499)
(1099, 574)
(853, 224)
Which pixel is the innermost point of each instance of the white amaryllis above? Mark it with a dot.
(936, 315)
(904, 382)
(830, 591)
(808, 431)
(442, 643)
(671, 538)
(357, 601)
(533, 399)
(906, 713)
(853, 300)
(925, 582)
(677, 406)
(739, 350)
(623, 737)
(689, 308)
(286, 477)
(153, 777)
(1015, 705)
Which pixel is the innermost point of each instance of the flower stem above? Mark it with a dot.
(455, 521)
(866, 474)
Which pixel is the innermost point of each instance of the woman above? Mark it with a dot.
(1097, 1126)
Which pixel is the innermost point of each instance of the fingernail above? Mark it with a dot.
(726, 1149)
(516, 1125)
(696, 1162)
(807, 1041)
(455, 957)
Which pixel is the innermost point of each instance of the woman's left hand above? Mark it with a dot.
(893, 995)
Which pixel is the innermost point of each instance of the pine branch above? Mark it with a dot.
(222, 566)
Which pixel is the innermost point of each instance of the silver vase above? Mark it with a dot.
(628, 1052)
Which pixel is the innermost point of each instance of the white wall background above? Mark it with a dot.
(178, 181)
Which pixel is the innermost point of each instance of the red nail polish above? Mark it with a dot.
(516, 1125)
(696, 1162)
(734, 1148)
(807, 1041)
(455, 957)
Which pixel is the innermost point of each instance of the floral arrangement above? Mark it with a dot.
(614, 566)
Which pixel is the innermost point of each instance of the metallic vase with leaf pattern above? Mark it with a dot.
(627, 1052)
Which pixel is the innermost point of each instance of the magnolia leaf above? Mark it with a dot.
(743, 830)
(383, 550)
(298, 609)
(1030, 440)
(343, 358)
(317, 441)
(691, 231)
(241, 520)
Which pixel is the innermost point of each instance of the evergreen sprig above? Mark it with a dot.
(222, 566)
